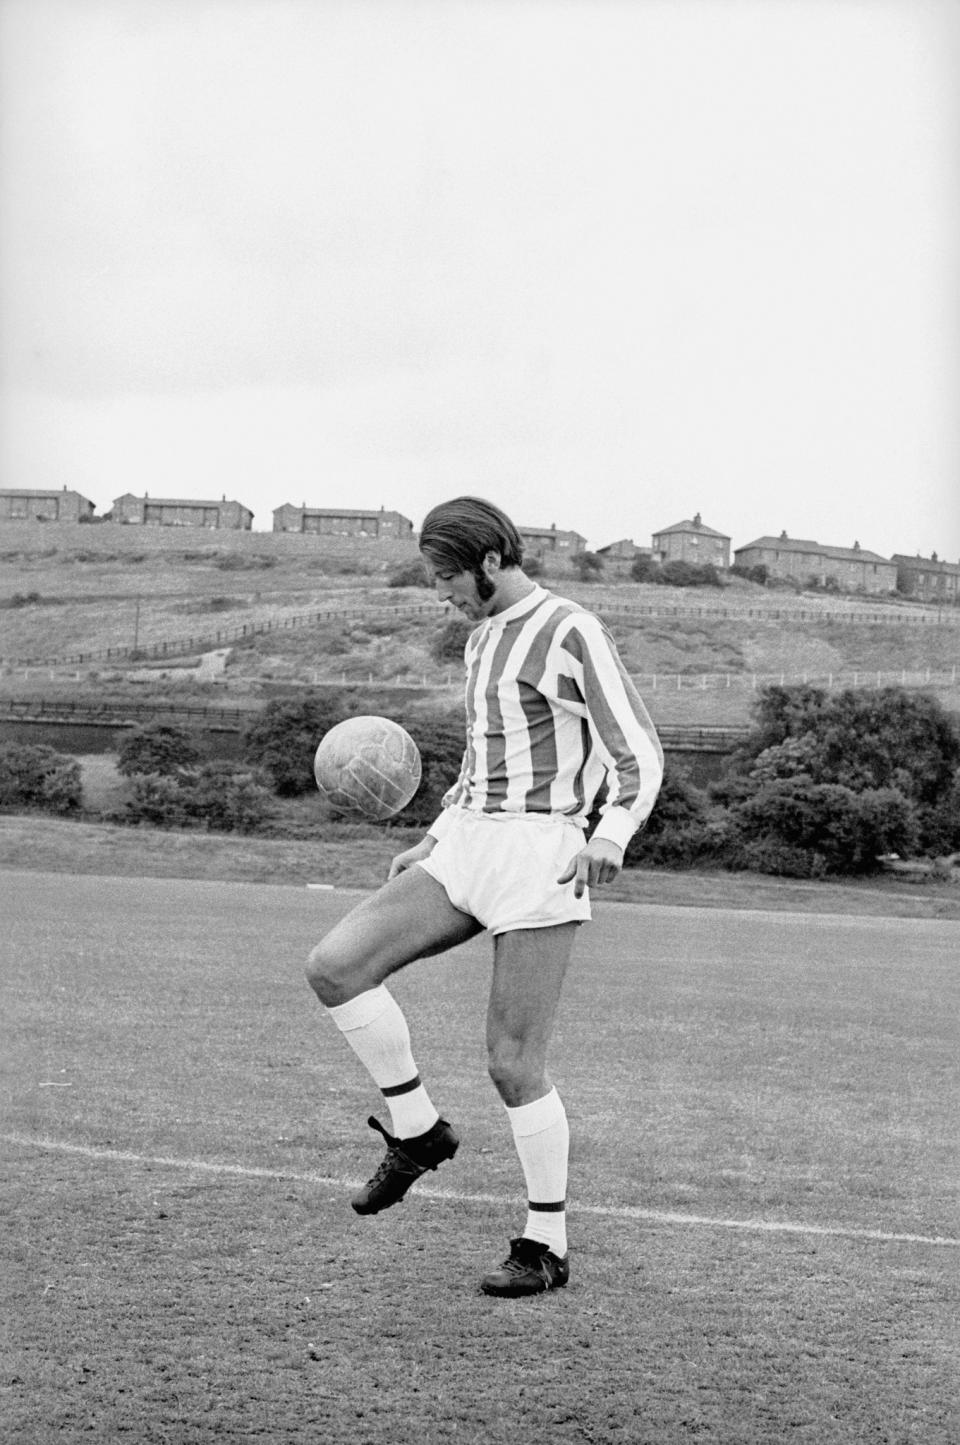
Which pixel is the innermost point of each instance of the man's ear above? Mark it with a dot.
(491, 564)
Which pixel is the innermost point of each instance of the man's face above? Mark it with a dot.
(463, 590)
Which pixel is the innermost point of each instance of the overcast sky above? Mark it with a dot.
(606, 262)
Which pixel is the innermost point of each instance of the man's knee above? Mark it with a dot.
(516, 1073)
(327, 975)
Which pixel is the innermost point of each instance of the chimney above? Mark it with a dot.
(696, 521)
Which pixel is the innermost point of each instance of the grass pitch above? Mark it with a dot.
(765, 1209)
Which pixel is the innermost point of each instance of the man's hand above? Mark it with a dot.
(599, 862)
(423, 849)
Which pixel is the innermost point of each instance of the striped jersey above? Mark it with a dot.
(551, 717)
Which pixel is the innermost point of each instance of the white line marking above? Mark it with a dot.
(609, 1211)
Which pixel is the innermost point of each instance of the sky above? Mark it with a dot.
(608, 263)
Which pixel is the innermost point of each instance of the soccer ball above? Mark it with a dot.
(367, 766)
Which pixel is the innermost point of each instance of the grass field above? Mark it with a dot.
(765, 1184)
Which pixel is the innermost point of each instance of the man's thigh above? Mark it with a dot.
(408, 918)
(529, 967)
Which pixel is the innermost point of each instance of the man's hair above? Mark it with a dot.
(459, 534)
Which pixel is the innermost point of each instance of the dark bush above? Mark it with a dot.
(678, 573)
(217, 796)
(34, 776)
(758, 573)
(587, 565)
(644, 568)
(533, 566)
(845, 831)
(158, 747)
(940, 823)
(440, 741)
(450, 639)
(411, 574)
(283, 738)
(679, 832)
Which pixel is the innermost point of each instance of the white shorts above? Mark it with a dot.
(502, 869)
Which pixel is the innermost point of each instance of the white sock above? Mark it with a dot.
(542, 1137)
(375, 1028)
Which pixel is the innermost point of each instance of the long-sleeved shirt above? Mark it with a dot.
(551, 715)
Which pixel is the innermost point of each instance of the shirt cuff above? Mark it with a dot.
(617, 825)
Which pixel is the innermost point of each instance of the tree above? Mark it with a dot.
(157, 747)
(440, 741)
(643, 568)
(410, 574)
(283, 737)
(449, 640)
(678, 573)
(33, 775)
(846, 777)
(587, 565)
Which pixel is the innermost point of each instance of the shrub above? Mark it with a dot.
(217, 796)
(533, 566)
(160, 748)
(679, 832)
(237, 562)
(758, 573)
(440, 741)
(411, 574)
(587, 565)
(448, 641)
(939, 823)
(283, 738)
(35, 776)
(644, 568)
(843, 831)
(678, 573)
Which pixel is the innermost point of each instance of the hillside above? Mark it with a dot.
(697, 654)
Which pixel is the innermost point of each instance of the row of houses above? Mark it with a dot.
(851, 569)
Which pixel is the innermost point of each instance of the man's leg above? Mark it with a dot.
(529, 969)
(410, 917)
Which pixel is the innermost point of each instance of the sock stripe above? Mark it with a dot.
(556, 1207)
(392, 1090)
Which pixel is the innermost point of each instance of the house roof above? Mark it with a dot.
(929, 564)
(692, 525)
(339, 511)
(819, 549)
(182, 501)
(42, 492)
(552, 531)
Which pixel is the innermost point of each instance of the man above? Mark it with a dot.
(551, 717)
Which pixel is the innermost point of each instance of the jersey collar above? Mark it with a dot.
(519, 609)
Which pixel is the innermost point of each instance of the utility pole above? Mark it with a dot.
(136, 627)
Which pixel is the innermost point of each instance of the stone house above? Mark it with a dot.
(188, 512)
(852, 569)
(26, 504)
(341, 522)
(692, 541)
(550, 541)
(927, 578)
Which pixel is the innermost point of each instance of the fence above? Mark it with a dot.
(753, 681)
(719, 739)
(209, 642)
(627, 613)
